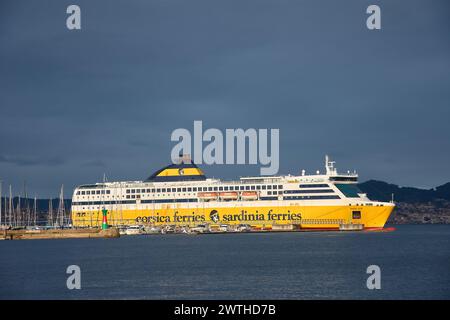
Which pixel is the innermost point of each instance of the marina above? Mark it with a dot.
(180, 199)
(34, 233)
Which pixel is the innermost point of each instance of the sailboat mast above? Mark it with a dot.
(5, 207)
(50, 212)
(26, 214)
(18, 212)
(1, 198)
(35, 210)
(61, 209)
(10, 207)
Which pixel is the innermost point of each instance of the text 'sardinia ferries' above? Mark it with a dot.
(180, 194)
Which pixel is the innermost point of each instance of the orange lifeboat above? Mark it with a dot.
(207, 196)
(249, 195)
(228, 195)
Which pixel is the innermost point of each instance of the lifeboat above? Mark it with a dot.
(249, 195)
(207, 196)
(228, 195)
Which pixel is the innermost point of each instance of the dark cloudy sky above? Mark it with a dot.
(76, 104)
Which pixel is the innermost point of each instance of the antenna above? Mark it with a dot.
(329, 166)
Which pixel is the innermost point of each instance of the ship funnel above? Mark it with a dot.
(184, 158)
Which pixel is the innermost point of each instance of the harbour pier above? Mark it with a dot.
(25, 234)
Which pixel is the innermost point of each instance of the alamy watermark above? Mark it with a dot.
(374, 280)
(74, 280)
(373, 22)
(73, 21)
(250, 146)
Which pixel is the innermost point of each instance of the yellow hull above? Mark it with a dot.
(307, 217)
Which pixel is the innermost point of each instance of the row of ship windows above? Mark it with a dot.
(315, 185)
(309, 191)
(137, 196)
(270, 193)
(94, 192)
(187, 189)
(195, 189)
(310, 197)
(90, 203)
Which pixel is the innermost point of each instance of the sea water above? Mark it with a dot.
(414, 262)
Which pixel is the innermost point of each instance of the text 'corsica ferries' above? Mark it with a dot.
(181, 195)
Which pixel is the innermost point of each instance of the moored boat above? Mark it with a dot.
(133, 230)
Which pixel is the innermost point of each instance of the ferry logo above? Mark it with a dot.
(214, 216)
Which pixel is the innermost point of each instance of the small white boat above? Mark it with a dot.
(243, 228)
(122, 230)
(168, 229)
(152, 230)
(200, 228)
(133, 230)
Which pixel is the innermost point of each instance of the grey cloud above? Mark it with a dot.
(32, 160)
(95, 163)
(114, 92)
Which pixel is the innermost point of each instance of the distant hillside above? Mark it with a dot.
(413, 205)
(382, 191)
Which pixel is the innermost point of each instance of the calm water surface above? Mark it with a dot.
(414, 262)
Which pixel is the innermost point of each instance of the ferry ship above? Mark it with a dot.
(181, 195)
